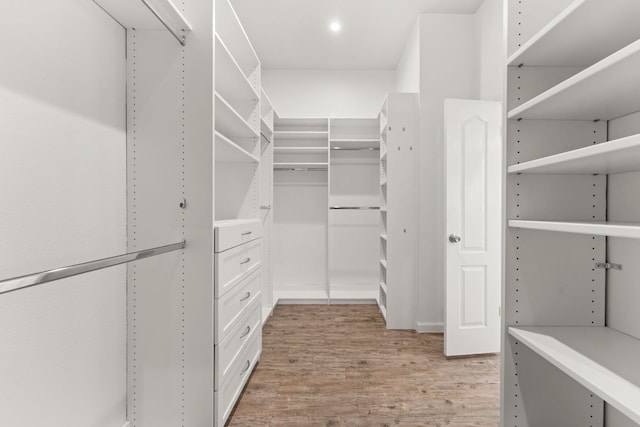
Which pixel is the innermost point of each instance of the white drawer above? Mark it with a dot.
(226, 397)
(233, 344)
(235, 264)
(229, 234)
(235, 304)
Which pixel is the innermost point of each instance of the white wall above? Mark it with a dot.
(63, 192)
(408, 70)
(448, 69)
(328, 93)
(490, 27)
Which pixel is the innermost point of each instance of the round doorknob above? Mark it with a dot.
(453, 238)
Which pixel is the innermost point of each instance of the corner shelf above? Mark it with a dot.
(229, 122)
(573, 98)
(601, 359)
(593, 228)
(583, 34)
(228, 151)
(617, 156)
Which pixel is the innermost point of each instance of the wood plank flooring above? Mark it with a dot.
(338, 366)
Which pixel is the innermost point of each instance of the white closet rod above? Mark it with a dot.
(361, 208)
(29, 280)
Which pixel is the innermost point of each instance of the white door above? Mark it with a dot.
(473, 164)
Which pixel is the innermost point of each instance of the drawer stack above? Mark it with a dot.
(238, 309)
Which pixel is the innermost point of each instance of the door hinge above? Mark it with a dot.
(608, 266)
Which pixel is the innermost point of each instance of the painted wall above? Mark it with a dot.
(62, 182)
(328, 93)
(448, 69)
(408, 70)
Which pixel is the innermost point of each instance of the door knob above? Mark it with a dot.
(453, 238)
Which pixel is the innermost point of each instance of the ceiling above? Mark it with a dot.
(294, 34)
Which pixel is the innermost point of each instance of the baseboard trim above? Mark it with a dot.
(429, 328)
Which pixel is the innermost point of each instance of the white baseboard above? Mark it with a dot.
(429, 328)
(127, 424)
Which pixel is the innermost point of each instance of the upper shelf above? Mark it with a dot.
(229, 123)
(231, 82)
(593, 94)
(592, 228)
(148, 15)
(618, 156)
(302, 135)
(601, 359)
(230, 30)
(584, 33)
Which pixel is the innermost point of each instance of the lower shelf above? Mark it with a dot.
(601, 359)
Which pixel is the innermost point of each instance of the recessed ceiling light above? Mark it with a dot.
(335, 26)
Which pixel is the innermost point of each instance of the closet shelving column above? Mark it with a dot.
(398, 236)
(301, 162)
(267, 117)
(354, 221)
(238, 227)
(571, 343)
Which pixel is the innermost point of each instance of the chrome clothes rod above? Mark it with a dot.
(182, 39)
(73, 270)
(360, 208)
(301, 169)
(355, 149)
(265, 137)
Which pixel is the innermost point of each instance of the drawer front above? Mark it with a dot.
(235, 304)
(234, 265)
(226, 397)
(227, 236)
(226, 353)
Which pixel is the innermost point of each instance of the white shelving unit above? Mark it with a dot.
(354, 221)
(571, 343)
(267, 117)
(398, 238)
(300, 167)
(240, 227)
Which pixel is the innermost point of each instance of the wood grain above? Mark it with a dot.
(338, 366)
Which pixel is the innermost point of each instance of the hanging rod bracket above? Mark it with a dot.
(608, 266)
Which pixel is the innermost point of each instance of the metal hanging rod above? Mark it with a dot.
(73, 270)
(356, 149)
(301, 169)
(361, 208)
(265, 137)
(182, 39)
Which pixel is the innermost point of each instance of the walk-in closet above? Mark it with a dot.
(253, 213)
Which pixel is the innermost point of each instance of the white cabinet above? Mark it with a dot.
(398, 210)
(571, 343)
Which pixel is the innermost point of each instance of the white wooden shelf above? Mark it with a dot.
(383, 262)
(383, 157)
(229, 122)
(593, 94)
(230, 30)
(301, 165)
(300, 150)
(595, 228)
(601, 359)
(384, 287)
(265, 129)
(618, 156)
(228, 151)
(383, 236)
(383, 183)
(136, 15)
(302, 135)
(583, 34)
(231, 83)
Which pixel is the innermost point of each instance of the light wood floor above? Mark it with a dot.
(338, 366)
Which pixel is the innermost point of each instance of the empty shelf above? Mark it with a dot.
(383, 286)
(302, 135)
(230, 123)
(583, 34)
(573, 99)
(384, 263)
(601, 359)
(230, 152)
(618, 156)
(595, 228)
(231, 83)
(300, 150)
